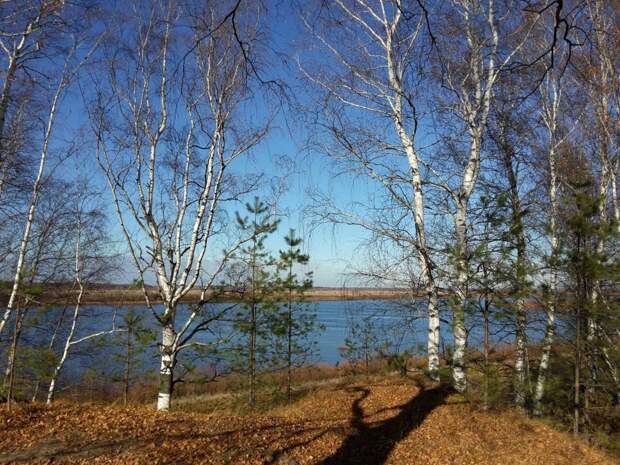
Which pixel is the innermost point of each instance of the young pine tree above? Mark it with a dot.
(254, 318)
(594, 314)
(296, 322)
(362, 343)
(135, 342)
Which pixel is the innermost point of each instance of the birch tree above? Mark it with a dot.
(35, 38)
(550, 98)
(78, 54)
(24, 27)
(600, 78)
(46, 258)
(554, 101)
(372, 82)
(507, 128)
(479, 41)
(88, 263)
(172, 115)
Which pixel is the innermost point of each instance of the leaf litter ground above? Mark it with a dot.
(380, 422)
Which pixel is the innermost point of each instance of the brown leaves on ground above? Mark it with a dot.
(392, 422)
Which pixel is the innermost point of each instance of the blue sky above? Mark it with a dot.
(332, 250)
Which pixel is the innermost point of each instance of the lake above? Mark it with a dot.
(396, 325)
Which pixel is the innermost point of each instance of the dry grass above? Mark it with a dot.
(390, 421)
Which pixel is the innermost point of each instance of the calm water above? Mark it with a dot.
(397, 325)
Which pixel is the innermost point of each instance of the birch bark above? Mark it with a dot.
(551, 98)
(390, 43)
(471, 78)
(168, 359)
(78, 275)
(395, 79)
(18, 45)
(518, 231)
(23, 246)
(67, 74)
(474, 101)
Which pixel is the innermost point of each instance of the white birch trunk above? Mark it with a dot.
(10, 366)
(547, 342)
(51, 391)
(593, 329)
(76, 314)
(611, 367)
(389, 95)
(71, 341)
(50, 347)
(23, 247)
(423, 252)
(424, 260)
(543, 367)
(602, 91)
(433, 333)
(14, 54)
(468, 183)
(520, 355)
(473, 106)
(519, 278)
(592, 350)
(607, 178)
(550, 114)
(458, 317)
(395, 80)
(166, 369)
(551, 304)
(65, 78)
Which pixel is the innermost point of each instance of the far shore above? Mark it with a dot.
(117, 295)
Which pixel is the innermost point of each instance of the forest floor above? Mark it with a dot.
(383, 421)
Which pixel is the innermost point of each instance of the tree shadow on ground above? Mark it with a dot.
(371, 445)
